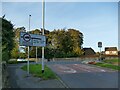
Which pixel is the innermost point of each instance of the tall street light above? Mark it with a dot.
(43, 22)
(28, 48)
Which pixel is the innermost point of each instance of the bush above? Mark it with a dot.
(12, 62)
(5, 56)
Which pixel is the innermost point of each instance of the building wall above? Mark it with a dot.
(111, 52)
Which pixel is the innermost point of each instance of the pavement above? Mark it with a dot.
(20, 79)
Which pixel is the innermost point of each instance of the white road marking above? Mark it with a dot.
(71, 71)
(75, 64)
(81, 68)
(103, 70)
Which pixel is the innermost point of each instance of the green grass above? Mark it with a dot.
(36, 70)
(107, 65)
(112, 61)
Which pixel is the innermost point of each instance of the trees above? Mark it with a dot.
(7, 39)
(66, 43)
(15, 53)
(77, 41)
(60, 43)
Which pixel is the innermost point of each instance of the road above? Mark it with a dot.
(78, 75)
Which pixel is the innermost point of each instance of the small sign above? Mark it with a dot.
(27, 39)
(99, 44)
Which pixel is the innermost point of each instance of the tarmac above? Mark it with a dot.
(20, 79)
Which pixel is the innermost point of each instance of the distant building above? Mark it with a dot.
(111, 51)
(88, 51)
(119, 54)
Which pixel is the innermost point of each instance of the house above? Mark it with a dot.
(111, 51)
(88, 51)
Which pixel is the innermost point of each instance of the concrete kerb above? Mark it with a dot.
(60, 80)
(63, 83)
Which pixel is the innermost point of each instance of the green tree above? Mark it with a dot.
(7, 39)
(15, 53)
(77, 41)
(66, 43)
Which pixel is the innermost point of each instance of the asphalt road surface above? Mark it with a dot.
(77, 75)
(74, 74)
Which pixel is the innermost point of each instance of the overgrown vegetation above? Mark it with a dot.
(112, 61)
(35, 70)
(7, 39)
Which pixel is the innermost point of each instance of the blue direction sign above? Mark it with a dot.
(27, 39)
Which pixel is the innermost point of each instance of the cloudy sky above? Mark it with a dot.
(98, 21)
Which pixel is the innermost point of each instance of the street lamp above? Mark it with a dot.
(28, 48)
(43, 22)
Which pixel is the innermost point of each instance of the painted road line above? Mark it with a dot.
(64, 69)
(71, 71)
(103, 70)
(89, 68)
(77, 66)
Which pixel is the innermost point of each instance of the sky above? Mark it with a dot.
(98, 21)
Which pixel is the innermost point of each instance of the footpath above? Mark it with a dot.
(19, 79)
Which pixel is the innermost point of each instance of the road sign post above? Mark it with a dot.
(36, 55)
(28, 62)
(100, 46)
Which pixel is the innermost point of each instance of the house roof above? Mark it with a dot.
(110, 48)
(88, 51)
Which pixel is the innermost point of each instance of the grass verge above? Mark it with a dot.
(112, 61)
(35, 70)
(107, 65)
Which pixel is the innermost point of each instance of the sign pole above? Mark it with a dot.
(43, 13)
(100, 53)
(36, 55)
(100, 46)
(28, 62)
(28, 49)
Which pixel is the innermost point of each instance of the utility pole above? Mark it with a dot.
(43, 22)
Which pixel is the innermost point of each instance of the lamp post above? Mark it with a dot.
(43, 21)
(28, 48)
